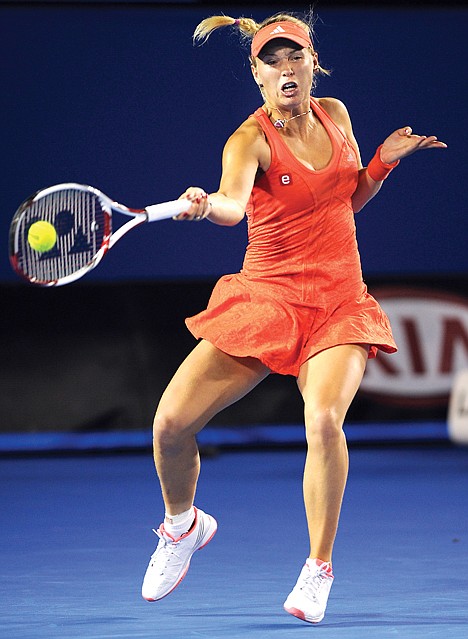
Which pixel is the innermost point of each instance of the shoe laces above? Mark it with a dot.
(313, 582)
(166, 548)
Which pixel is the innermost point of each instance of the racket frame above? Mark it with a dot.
(151, 213)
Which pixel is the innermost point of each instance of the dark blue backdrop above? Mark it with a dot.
(117, 97)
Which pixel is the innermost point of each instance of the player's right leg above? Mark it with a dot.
(207, 382)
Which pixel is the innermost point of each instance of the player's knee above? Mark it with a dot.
(168, 431)
(323, 426)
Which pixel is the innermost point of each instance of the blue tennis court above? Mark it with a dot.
(76, 537)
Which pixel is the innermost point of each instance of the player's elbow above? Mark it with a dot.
(237, 217)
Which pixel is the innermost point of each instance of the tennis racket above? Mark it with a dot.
(81, 217)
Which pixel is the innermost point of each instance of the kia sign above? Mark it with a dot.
(431, 330)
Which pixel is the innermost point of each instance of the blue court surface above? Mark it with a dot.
(76, 537)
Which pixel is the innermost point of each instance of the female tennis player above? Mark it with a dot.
(299, 305)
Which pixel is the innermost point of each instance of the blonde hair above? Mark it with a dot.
(248, 28)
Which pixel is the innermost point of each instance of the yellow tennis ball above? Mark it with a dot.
(42, 236)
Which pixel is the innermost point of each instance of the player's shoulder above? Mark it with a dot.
(250, 130)
(339, 114)
(247, 135)
(336, 109)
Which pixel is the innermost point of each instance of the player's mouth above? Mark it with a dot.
(289, 89)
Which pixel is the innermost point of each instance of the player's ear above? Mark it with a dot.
(253, 68)
(316, 62)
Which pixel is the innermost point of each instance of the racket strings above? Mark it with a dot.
(83, 228)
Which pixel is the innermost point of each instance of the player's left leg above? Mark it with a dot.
(328, 383)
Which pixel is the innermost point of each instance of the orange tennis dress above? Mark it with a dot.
(300, 289)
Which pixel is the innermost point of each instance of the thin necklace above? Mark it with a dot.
(281, 123)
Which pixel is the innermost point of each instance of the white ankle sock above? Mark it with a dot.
(177, 525)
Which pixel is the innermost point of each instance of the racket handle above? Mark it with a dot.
(166, 210)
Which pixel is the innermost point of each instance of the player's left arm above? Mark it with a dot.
(397, 146)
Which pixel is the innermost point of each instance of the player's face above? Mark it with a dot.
(286, 72)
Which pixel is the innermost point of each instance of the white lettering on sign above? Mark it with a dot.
(431, 332)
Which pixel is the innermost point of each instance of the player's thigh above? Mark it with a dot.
(329, 381)
(207, 381)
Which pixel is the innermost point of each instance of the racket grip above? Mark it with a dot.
(166, 210)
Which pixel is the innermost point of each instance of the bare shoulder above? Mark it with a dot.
(248, 141)
(340, 116)
(249, 133)
(337, 111)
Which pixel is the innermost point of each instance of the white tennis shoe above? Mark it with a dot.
(171, 559)
(308, 599)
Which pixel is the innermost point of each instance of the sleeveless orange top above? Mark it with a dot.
(300, 289)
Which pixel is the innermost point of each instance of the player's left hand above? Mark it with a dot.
(402, 143)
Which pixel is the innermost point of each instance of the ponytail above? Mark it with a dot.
(248, 28)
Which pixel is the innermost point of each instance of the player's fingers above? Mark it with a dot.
(405, 131)
(186, 215)
(204, 207)
(197, 197)
(432, 142)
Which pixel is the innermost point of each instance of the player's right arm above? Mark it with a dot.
(243, 153)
